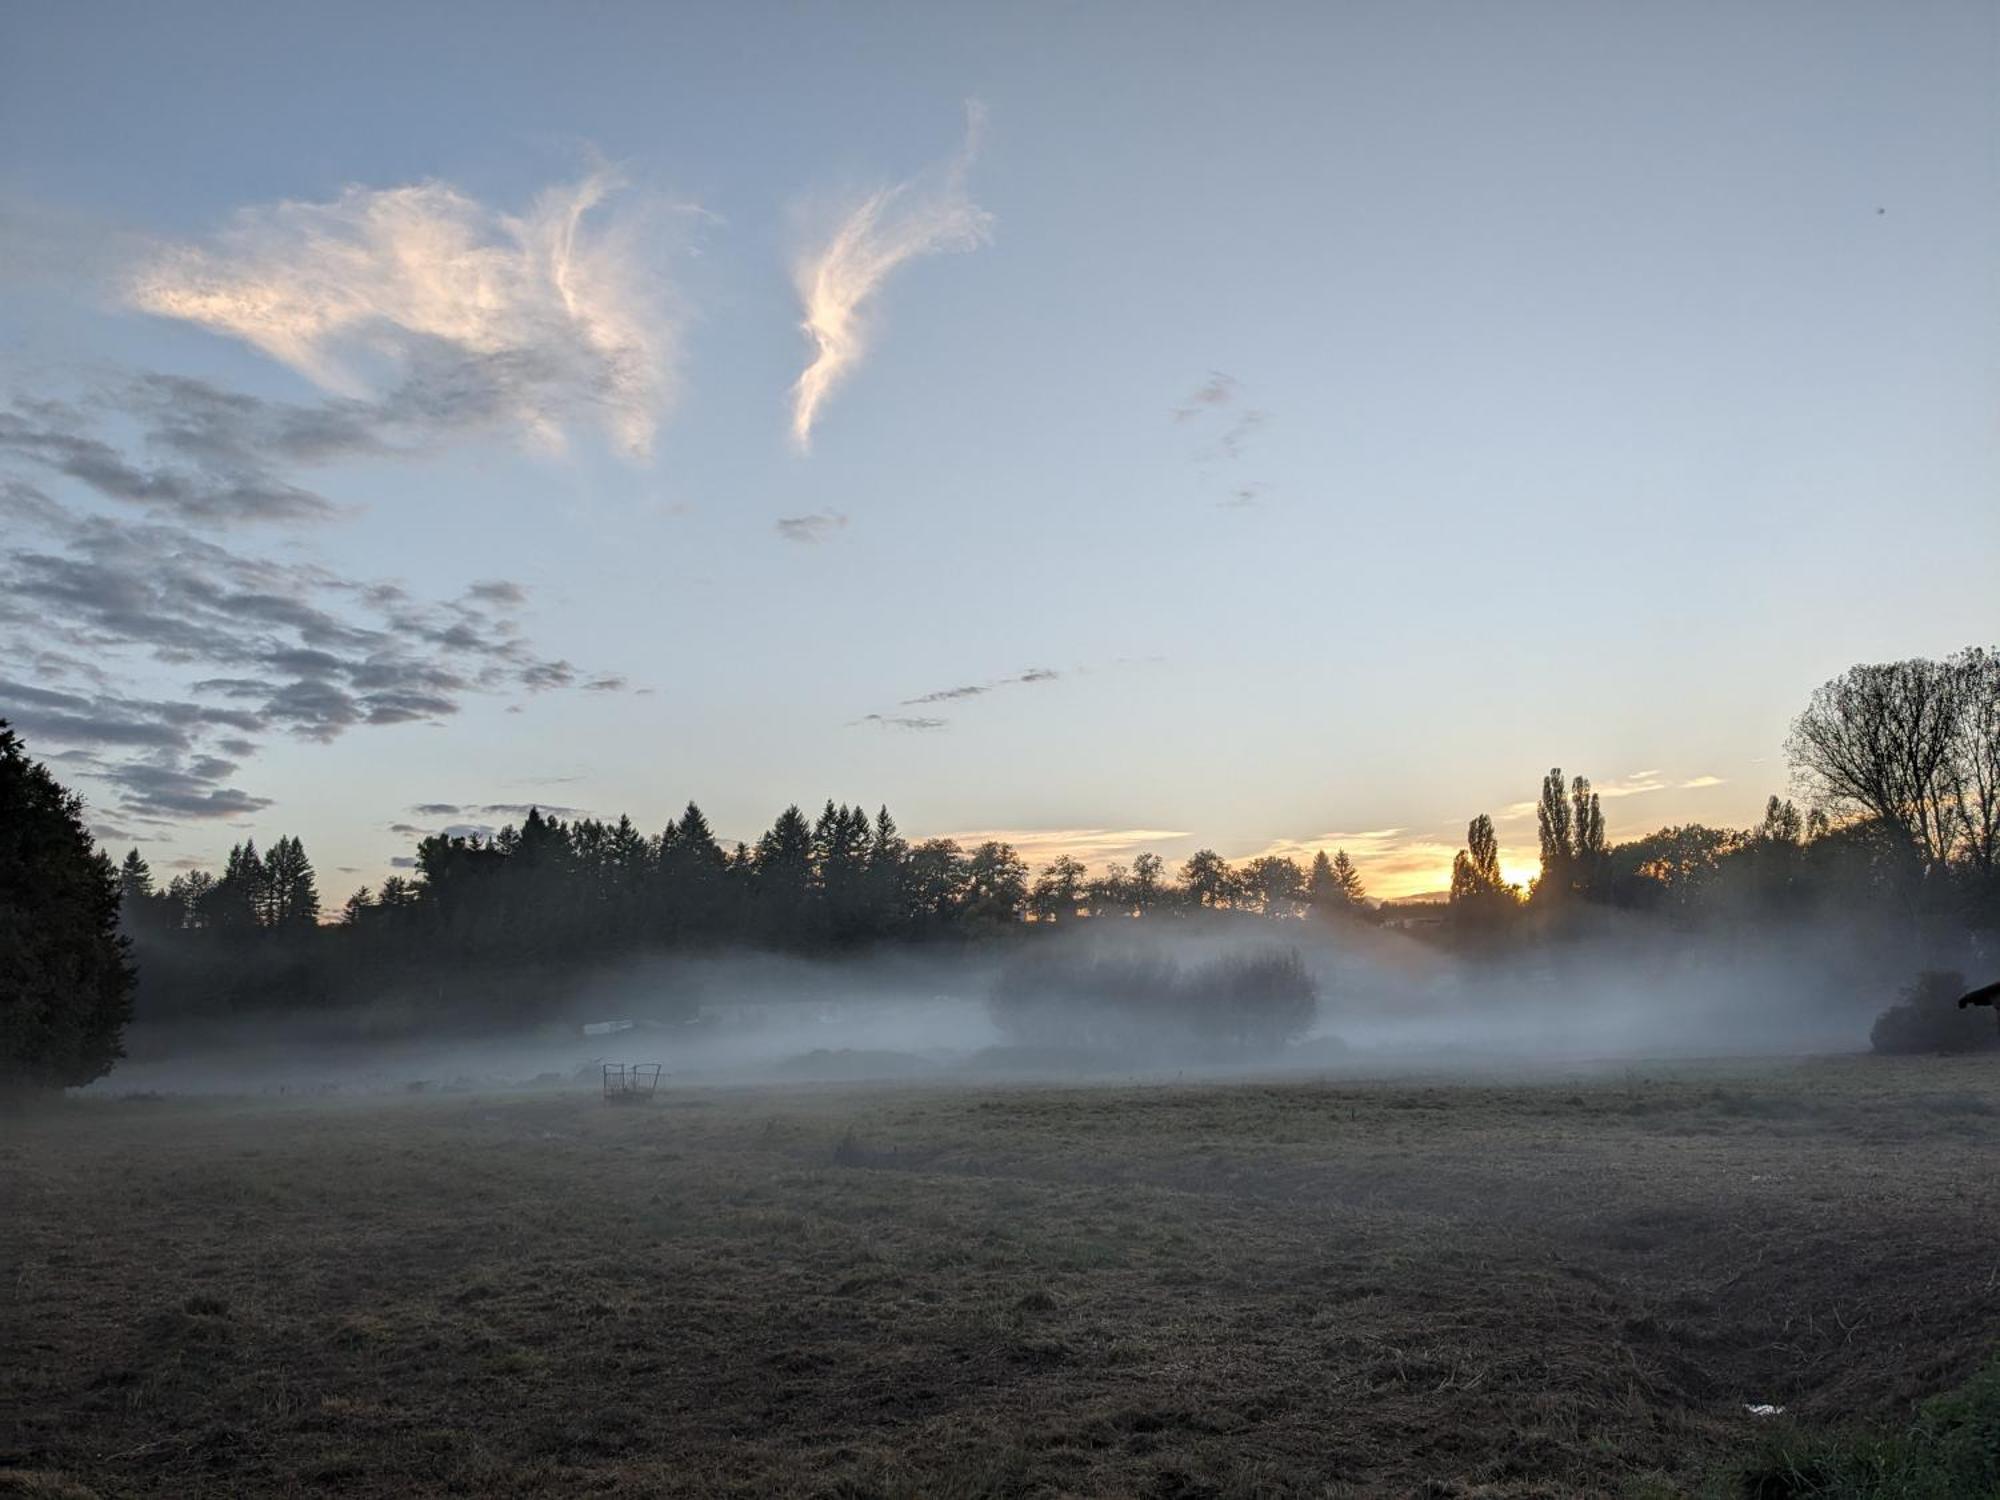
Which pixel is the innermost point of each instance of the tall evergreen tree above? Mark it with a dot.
(1334, 884)
(66, 982)
(193, 897)
(784, 869)
(1321, 887)
(698, 840)
(397, 894)
(291, 891)
(1348, 880)
(135, 878)
(888, 861)
(694, 870)
(241, 899)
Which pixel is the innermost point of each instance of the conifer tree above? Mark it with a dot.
(240, 900)
(66, 984)
(135, 878)
(1347, 880)
(291, 891)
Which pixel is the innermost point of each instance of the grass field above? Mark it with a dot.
(1570, 1286)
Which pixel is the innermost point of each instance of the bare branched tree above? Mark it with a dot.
(1975, 772)
(1909, 743)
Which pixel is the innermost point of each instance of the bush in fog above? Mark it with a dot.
(1927, 1019)
(1242, 1003)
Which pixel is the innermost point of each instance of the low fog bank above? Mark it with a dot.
(1098, 1000)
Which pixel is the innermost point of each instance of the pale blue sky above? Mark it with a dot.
(1625, 371)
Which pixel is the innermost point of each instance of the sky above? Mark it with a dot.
(1107, 427)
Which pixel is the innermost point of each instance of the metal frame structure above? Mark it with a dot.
(630, 1083)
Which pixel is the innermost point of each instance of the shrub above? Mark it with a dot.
(1927, 1019)
(1148, 1004)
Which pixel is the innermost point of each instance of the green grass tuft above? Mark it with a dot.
(1951, 1452)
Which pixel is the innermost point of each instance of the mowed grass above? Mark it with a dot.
(1565, 1287)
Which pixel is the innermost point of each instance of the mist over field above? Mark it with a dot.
(1384, 1001)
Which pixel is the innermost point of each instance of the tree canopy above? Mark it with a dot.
(65, 983)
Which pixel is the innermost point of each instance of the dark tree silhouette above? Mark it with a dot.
(1207, 879)
(1334, 885)
(784, 864)
(1475, 870)
(66, 982)
(1146, 886)
(996, 885)
(291, 893)
(1882, 740)
(1273, 885)
(1586, 851)
(1347, 880)
(241, 898)
(135, 879)
(1059, 890)
(1554, 821)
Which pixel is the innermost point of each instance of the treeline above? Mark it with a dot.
(551, 898)
(1902, 762)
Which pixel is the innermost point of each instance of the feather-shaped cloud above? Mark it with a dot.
(463, 313)
(837, 280)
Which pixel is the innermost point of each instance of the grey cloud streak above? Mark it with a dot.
(210, 490)
(260, 646)
(903, 721)
(813, 528)
(980, 689)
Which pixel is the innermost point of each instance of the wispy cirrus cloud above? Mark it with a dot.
(1218, 397)
(477, 315)
(957, 694)
(1632, 784)
(837, 280)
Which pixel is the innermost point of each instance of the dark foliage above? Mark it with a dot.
(1928, 1019)
(1144, 1004)
(65, 982)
